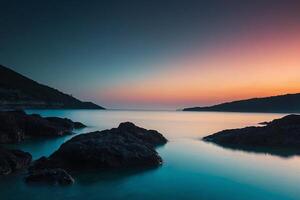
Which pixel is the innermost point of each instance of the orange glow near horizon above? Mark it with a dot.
(266, 65)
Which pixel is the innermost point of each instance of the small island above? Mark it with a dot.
(278, 137)
(127, 146)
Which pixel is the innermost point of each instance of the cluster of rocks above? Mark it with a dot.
(15, 126)
(13, 160)
(127, 146)
(283, 133)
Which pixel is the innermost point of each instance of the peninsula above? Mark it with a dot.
(288, 103)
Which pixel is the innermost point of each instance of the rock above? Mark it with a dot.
(79, 125)
(61, 122)
(289, 121)
(123, 147)
(281, 134)
(13, 160)
(50, 176)
(152, 137)
(15, 126)
(65, 123)
(263, 123)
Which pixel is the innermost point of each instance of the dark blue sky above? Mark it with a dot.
(87, 47)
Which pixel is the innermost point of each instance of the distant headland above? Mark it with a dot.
(289, 103)
(20, 92)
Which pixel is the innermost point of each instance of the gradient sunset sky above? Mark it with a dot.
(157, 54)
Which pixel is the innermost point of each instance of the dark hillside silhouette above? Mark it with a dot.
(18, 91)
(289, 103)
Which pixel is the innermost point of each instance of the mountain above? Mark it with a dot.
(18, 91)
(289, 103)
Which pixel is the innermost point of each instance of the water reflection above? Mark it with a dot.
(281, 152)
(105, 176)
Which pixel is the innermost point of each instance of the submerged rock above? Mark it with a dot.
(50, 176)
(123, 147)
(283, 134)
(15, 126)
(13, 160)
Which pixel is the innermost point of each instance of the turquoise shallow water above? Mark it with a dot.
(192, 169)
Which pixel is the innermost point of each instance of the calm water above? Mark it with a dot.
(192, 169)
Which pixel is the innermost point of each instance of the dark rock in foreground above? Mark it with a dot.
(15, 126)
(124, 147)
(50, 176)
(13, 160)
(279, 137)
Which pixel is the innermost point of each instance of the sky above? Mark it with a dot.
(158, 54)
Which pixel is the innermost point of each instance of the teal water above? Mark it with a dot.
(192, 169)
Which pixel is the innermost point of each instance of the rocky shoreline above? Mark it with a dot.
(127, 146)
(278, 137)
(16, 126)
(13, 160)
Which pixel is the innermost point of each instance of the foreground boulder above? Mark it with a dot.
(15, 126)
(50, 176)
(280, 136)
(13, 160)
(123, 147)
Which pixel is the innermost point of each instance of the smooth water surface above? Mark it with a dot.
(192, 169)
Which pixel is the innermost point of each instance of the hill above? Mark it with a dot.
(289, 103)
(18, 91)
